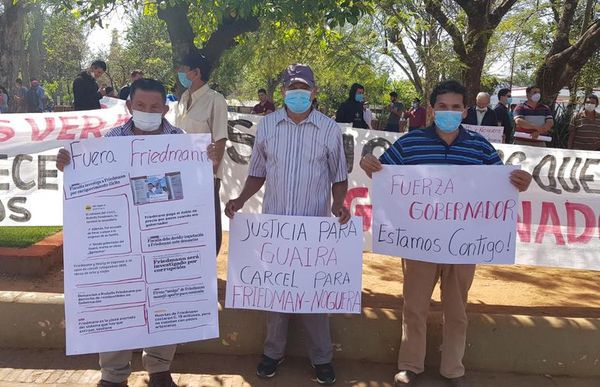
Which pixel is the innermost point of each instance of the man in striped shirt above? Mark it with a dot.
(446, 142)
(148, 108)
(533, 119)
(584, 129)
(298, 153)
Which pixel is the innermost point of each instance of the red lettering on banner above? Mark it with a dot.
(122, 119)
(549, 212)
(590, 223)
(364, 210)
(6, 132)
(66, 126)
(89, 126)
(524, 225)
(35, 130)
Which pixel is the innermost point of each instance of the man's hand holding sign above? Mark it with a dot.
(443, 201)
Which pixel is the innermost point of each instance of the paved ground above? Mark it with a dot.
(19, 368)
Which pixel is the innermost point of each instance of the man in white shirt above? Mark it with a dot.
(203, 110)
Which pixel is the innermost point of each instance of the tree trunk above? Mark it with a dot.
(182, 35)
(471, 48)
(477, 42)
(35, 44)
(180, 31)
(559, 68)
(12, 22)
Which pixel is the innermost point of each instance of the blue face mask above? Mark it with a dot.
(359, 97)
(298, 101)
(509, 100)
(183, 79)
(447, 121)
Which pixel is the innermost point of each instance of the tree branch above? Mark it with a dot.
(433, 7)
(561, 40)
(501, 11)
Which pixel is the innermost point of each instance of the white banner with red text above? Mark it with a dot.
(558, 223)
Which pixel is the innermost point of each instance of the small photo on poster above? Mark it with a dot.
(156, 188)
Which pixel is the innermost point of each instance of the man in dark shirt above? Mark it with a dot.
(396, 112)
(351, 110)
(481, 114)
(124, 92)
(85, 88)
(265, 106)
(502, 113)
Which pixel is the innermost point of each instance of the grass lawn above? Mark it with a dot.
(24, 236)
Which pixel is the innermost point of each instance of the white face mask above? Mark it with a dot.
(536, 97)
(146, 122)
(589, 107)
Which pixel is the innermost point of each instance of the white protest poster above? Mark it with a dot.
(139, 243)
(491, 133)
(294, 264)
(445, 213)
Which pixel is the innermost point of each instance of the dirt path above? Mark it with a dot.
(497, 289)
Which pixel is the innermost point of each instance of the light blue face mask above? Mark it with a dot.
(184, 80)
(447, 121)
(298, 101)
(359, 97)
(509, 100)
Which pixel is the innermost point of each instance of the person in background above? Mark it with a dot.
(584, 129)
(19, 105)
(445, 142)
(3, 100)
(481, 114)
(135, 75)
(532, 118)
(265, 106)
(351, 110)
(203, 110)
(109, 91)
(368, 115)
(172, 96)
(86, 93)
(298, 156)
(35, 97)
(502, 110)
(148, 109)
(396, 112)
(416, 116)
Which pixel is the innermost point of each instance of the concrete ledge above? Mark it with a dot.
(507, 343)
(35, 260)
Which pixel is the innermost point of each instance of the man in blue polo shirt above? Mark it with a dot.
(445, 142)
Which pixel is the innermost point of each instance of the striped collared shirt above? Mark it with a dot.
(127, 129)
(424, 146)
(300, 163)
(586, 131)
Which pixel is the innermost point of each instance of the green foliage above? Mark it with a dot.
(64, 47)
(338, 56)
(146, 47)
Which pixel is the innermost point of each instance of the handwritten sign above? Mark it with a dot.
(294, 264)
(490, 133)
(140, 266)
(445, 214)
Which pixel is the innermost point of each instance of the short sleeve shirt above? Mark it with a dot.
(424, 146)
(534, 115)
(300, 163)
(207, 113)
